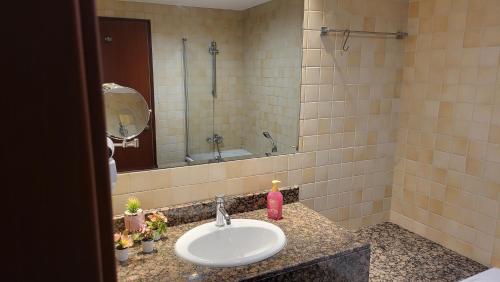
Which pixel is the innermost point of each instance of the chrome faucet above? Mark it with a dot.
(221, 212)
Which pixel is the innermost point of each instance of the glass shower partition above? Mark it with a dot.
(199, 101)
(232, 113)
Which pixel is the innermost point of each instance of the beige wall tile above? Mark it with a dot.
(122, 184)
(217, 172)
(431, 161)
(180, 176)
(170, 23)
(463, 205)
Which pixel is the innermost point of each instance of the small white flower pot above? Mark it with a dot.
(148, 246)
(121, 255)
(156, 235)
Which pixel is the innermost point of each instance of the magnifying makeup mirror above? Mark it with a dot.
(127, 114)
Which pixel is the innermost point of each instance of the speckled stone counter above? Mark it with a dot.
(316, 250)
(400, 255)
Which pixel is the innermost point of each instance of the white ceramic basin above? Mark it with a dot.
(243, 242)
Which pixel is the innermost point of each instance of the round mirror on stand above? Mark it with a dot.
(127, 113)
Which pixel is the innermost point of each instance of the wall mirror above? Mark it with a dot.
(222, 82)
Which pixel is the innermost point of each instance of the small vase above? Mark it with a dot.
(134, 222)
(148, 246)
(121, 255)
(156, 235)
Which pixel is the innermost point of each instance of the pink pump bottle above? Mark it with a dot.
(275, 202)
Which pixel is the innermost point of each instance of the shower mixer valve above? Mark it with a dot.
(216, 139)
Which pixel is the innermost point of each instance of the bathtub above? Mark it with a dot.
(235, 153)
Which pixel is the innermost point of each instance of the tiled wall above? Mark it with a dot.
(258, 66)
(444, 119)
(164, 187)
(169, 24)
(272, 52)
(350, 108)
(447, 171)
(349, 104)
(222, 115)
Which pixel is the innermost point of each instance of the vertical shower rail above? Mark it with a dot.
(216, 138)
(186, 102)
(214, 52)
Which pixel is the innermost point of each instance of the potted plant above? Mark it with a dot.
(134, 216)
(158, 223)
(147, 240)
(136, 237)
(122, 243)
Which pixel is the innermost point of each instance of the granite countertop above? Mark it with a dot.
(400, 255)
(310, 238)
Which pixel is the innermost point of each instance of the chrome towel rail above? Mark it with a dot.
(347, 32)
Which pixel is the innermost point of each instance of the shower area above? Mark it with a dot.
(229, 83)
(213, 95)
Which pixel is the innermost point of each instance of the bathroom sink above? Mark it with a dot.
(243, 242)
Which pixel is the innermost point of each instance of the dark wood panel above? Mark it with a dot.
(126, 60)
(54, 149)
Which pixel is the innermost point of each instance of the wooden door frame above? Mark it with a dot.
(151, 83)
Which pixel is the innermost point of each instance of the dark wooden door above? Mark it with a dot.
(58, 165)
(126, 60)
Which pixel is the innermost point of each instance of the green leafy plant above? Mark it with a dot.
(137, 237)
(157, 222)
(133, 205)
(122, 241)
(147, 234)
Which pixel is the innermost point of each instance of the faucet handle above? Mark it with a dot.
(219, 198)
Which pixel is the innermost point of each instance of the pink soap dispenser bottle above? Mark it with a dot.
(275, 202)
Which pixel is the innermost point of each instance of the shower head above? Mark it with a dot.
(268, 136)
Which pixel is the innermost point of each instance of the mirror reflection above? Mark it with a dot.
(221, 84)
(127, 113)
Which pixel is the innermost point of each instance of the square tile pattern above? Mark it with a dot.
(447, 166)
(258, 75)
(406, 130)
